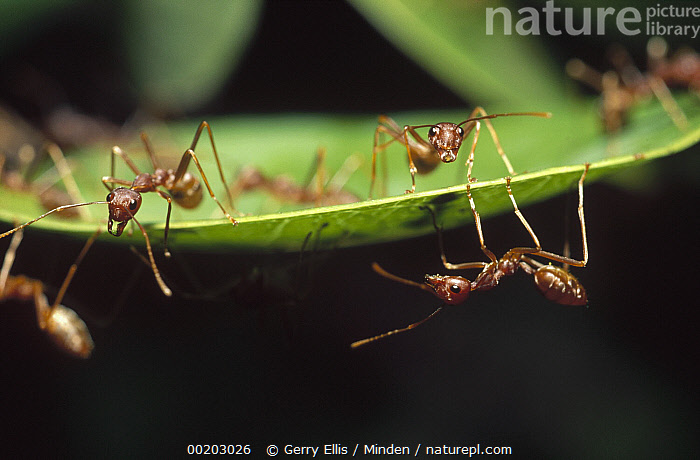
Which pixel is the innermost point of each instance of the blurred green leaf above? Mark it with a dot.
(450, 41)
(544, 146)
(182, 52)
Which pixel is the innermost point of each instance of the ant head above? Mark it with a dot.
(187, 192)
(124, 203)
(452, 290)
(446, 138)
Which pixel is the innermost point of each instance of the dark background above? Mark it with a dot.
(269, 360)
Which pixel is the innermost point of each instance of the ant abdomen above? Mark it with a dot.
(187, 192)
(560, 286)
(68, 331)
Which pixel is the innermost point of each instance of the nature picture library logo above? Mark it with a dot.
(662, 19)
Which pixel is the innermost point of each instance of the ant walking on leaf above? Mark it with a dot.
(443, 144)
(182, 186)
(555, 283)
(124, 202)
(317, 191)
(626, 86)
(63, 325)
(682, 69)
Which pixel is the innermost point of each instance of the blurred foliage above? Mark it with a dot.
(181, 53)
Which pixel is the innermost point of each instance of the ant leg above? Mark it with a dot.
(470, 159)
(443, 257)
(150, 151)
(494, 136)
(167, 198)
(320, 174)
(343, 174)
(424, 151)
(163, 287)
(9, 259)
(473, 122)
(520, 215)
(117, 151)
(74, 267)
(113, 180)
(582, 220)
(184, 162)
(190, 153)
(393, 130)
(477, 221)
(317, 172)
(580, 71)
(59, 160)
(663, 94)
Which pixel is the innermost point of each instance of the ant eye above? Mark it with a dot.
(455, 289)
(460, 131)
(433, 131)
(109, 196)
(133, 204)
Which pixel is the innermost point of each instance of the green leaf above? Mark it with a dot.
(450, 40)
(553, 149)
(181, 53)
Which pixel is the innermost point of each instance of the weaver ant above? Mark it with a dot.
(623, 88)
(444, 141)
(124, 202)
(182, 186)
(43, 186)
(63, 325)
(681, 70)
(318, 192)
(555, 283)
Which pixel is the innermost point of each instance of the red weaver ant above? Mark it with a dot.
(321, 193)
(444, 141)
(124, 202)
(63, 325)
(626, 86)
(555, 283)
(182, 186)
(43, 186)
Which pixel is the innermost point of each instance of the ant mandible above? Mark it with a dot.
(555, 283)
(444, 141)
(63, 325)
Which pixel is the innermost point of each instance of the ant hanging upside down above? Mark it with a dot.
(555, 283)
(63, 325)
